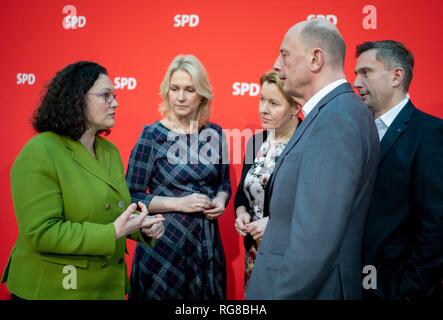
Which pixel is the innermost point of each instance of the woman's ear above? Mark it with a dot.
(297, 107)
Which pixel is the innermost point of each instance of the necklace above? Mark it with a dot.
(186, 131)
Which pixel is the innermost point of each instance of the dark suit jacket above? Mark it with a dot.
(320, 193)
(404, 228)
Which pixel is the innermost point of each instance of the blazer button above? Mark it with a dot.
(121, 204)
(107, 206)
(120, 261)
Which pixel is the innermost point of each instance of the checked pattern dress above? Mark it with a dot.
(187, 262)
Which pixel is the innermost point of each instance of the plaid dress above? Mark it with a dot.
(187, 262)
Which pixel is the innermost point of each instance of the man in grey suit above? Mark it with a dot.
(322, 183)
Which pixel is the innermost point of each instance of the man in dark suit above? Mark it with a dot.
(404, 228)
(322, 183)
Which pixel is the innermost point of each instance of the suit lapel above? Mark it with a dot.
(345, 87)
(398, 126)
(104, 158)
(99, 167)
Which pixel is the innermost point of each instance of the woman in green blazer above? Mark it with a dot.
(70, 196)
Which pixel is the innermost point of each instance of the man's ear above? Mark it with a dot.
(317, 59)
(398, 76)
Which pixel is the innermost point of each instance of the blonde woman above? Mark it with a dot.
(187, 181)
(278, 114)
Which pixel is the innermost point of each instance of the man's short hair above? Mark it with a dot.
(318, 33)
(392, 54)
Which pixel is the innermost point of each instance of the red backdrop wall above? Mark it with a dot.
(136, 40)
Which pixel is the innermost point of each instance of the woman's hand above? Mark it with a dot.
(153, 226)
(128, 221)
(217, 208)
(243, 218)
(257, 228)
(195, 202)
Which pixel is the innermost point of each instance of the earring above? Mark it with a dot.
(292, 116)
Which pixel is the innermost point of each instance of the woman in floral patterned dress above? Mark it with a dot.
(278, 114)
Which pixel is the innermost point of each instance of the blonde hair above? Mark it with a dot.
(272, 77)
(192, 65)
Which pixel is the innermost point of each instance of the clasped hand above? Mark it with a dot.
(129, 222)
(198, 202)
(244, 226)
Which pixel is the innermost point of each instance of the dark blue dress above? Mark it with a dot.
(187, 262)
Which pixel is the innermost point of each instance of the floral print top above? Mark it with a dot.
(258, 176)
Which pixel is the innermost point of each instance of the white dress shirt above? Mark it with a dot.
(385, 120)
(312, 102)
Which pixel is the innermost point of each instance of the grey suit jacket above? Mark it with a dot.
(321, 188)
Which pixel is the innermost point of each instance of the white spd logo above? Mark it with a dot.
(125, 82)
(245, 88)
(25, 78)
(330, 17)
(181, 20)
(72, 20)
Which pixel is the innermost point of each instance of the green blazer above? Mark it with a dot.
(66, 201)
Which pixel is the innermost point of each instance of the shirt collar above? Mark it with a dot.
(389, 116)
(312, 102)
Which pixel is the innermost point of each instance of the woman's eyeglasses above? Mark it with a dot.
(108, 96)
